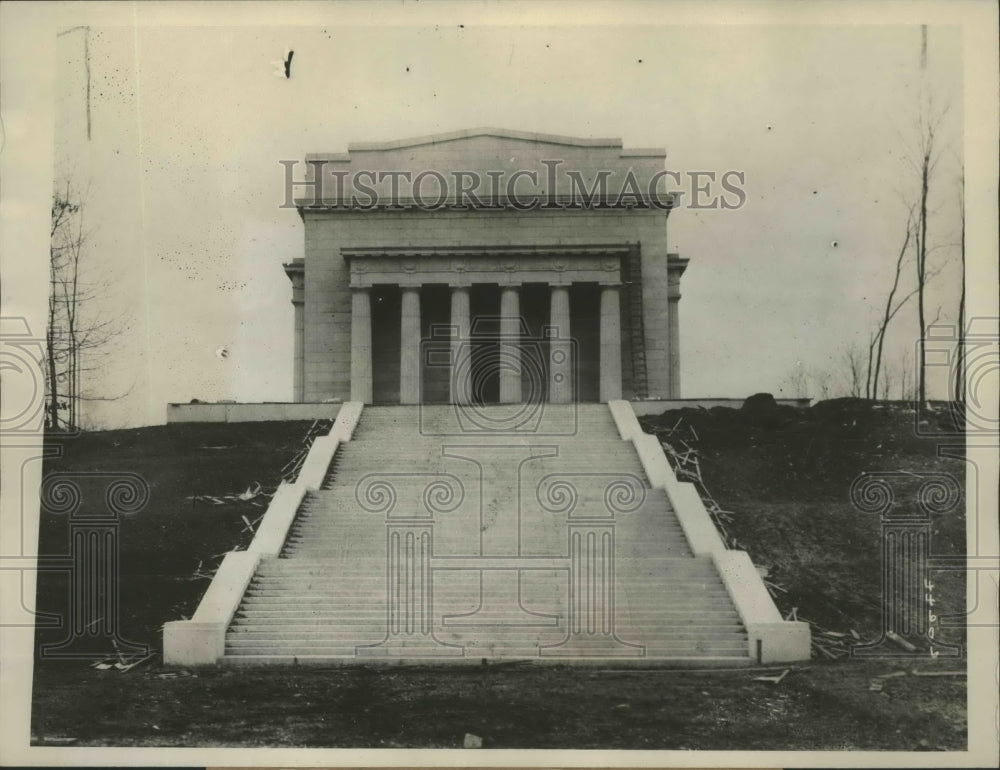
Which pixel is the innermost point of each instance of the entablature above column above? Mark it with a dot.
(676, 265)
(296, 272)
(503, 265)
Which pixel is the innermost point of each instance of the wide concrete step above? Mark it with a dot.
(323, 567)
(349, 625)
(656, 620)
(328, 594)
(586, 448)
(665, 588)
(374, 576)
(672, 652)
(451, 429)
(466, 568)
(487, 636)
(649, 660)
(350, 607)
(566, 445)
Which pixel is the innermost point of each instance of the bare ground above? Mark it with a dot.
(784, 475)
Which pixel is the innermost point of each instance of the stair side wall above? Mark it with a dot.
(202, 639)
(770, 639)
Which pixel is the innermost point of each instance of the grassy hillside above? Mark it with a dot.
(162, 545)
(784, 477)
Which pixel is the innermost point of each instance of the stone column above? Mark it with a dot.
(298, 379)
(296, 272)
(510, 345)
(560, 347)
(409, 346)
(676, 265)
(611, 343)
(361, 345)
(675, 347)
(461, 349)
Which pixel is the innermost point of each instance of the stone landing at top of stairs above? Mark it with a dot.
(495, 534)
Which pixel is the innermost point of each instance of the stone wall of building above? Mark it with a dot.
(333, 220)
(328, 294)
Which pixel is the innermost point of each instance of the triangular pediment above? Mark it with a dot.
(473, 133)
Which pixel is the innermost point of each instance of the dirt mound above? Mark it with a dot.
(786, 476)
(167, 550)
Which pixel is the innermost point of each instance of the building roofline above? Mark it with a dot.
(502, 133)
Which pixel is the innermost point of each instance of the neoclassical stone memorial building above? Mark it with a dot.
(464, 296)
(488, 266)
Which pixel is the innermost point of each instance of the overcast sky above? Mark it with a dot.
(188, 125)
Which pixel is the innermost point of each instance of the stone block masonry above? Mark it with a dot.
(363, 288)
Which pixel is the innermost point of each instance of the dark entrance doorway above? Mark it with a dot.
(585, 323)
(435, 346)
(484, 345)
(535, 310)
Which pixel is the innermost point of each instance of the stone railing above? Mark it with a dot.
(771, 639)
(202, 639)
(246, 412)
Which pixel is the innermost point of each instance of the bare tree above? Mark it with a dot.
(854, 359)
(796, 382)
(906, 391)
(926, 164)
(822, 381)
(79, 331)
(960, 344)
(64, 211)
(892, 306)
(887, 383)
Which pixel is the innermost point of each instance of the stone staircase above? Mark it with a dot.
(446, 535)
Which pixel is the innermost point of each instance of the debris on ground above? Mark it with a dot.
(251, 493)
(290, 471)
(251, 526)
(773, 679)
(200, 574)
(683, 459)
(176, 674)
(121, 662)
(939, 673)
(877, 683)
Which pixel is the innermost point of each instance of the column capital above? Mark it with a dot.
(610, 284)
